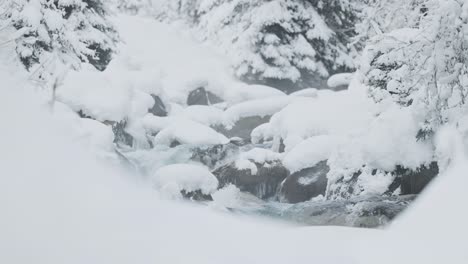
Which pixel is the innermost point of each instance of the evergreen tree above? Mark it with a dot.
(423, 65)
(71, 31)
(296, 43)
(133, 7)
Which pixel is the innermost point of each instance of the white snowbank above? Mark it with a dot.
(433, 229)
(308, 92)
(187, 177)
(96, 94)
(189, 132)
(60, 205)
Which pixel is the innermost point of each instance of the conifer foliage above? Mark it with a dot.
(296, 42)
(72, 31)
(423, 65)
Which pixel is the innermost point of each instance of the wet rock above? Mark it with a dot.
(201, 96)
(196, 196)
(264, 184)
(174, 144)
(212, 156)
(121, 137)
(413, 182)
(159, 108)
(243, 127)
(343, 188)
(305, 184)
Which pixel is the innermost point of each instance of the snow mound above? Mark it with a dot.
(259, 107)
(240, 92)
(187, 177)
(96, 94)
(340, 79)
(309, 152)
(308, 92)
(329, 113)
(247, 160)
(189, 132)
(203, 114)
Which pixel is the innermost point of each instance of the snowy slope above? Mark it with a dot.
(64, 206)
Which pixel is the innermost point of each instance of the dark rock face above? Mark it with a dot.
(196, 196)
(201, 96)
(158, 109)
(264, 184)
(120, 135)
(243, 127)
(305, 184)
(413, 182)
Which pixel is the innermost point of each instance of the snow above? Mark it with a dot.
(66, 206)
(207, 115)
(433, 229)
(96, 94)
(329, 113)
(308, 92)
(240, 92)
(259, 107)
(247, 160)
(60, 203)
(177, 61)
(309, 152)
(226, 197)
(340, 79)
(187, 177)
(189, 132)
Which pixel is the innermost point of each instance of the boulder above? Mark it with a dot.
(159, 108)
(211, 156)
(243, 127)
(414, 181)
(264, 184)
(305, 184)
(201, 96)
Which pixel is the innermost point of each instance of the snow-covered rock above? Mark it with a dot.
(96, 95)
(188, 132)
(184, 179)
(340, 80)
(259, 179)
